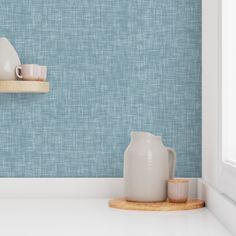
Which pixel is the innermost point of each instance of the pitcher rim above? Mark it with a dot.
(148, 134)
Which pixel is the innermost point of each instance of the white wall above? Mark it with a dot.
(210, 90)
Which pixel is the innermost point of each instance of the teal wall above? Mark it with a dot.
(114, 66)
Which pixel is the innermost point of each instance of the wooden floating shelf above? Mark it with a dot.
(20, 86)
(121, 203)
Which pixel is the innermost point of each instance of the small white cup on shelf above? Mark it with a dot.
(31, 72)
(28, 71)
(178, 190)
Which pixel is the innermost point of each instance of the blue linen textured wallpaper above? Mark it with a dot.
(114, 66)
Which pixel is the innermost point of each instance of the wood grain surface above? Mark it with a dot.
(121, 203)
(20, 86)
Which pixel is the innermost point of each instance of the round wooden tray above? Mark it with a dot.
(20, 86)
(121, 203)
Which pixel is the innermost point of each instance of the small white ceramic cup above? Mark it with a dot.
(178, 190)
(42, 73)
(28, 71)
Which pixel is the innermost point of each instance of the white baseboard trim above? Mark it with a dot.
(69, 187)
(219, 204)
(60, 187)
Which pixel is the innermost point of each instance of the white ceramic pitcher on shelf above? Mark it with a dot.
(148, 165)
(8, 60)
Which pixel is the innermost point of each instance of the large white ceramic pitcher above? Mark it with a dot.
(148, 164)
(8, 60)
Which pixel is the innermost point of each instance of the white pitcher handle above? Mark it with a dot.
(18, 68)
(172, 161)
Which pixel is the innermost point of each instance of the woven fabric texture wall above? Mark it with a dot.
(114, 66)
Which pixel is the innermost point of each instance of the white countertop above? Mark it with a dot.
(89, 217)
